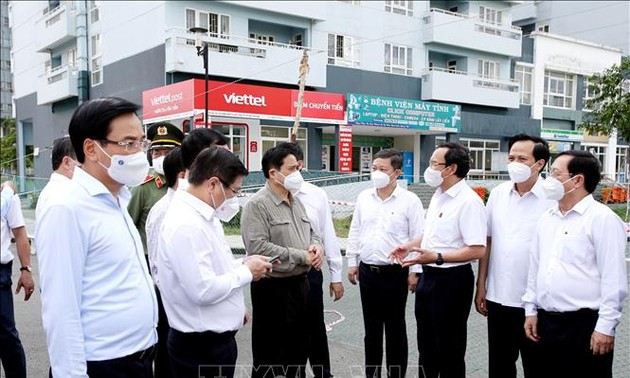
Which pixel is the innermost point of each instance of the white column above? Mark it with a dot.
(610, 160)
(416, 158)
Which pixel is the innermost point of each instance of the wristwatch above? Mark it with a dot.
(27, 268)
(440, 259)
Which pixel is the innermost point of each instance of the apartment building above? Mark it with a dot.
(6, 79)
(402, 74)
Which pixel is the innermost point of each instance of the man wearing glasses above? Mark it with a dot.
(577, 279)
(454, 236)
(99, 308)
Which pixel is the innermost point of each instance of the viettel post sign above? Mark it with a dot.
(168, 102)
(402, 113)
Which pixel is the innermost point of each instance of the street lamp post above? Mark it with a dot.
(202, 50)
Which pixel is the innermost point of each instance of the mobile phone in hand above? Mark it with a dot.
(274, 259)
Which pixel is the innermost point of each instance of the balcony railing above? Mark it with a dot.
(471, 32)
(466, 87)
(231, 55)
(57, 84)
(56, 27)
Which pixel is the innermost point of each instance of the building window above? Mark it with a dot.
(543, 28)
(96, 61)
(621, 166)
(599, 151)
(559, 90)
(625, 86)
(261, 39)
(480, 155)
(5, 64)
(489, 15)
(237, 137)
(72, 57)
(524, 75)
(590, 92)
(488, 69)
(218, 25)
(343, 50)
(399, 7)
(272, 135)
(398, 59)
(94, 11)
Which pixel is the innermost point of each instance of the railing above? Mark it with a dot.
(469, 17)
(59, 73)
(227, 43)
(465, 73)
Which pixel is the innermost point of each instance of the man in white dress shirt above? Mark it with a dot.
(384, 217)
(577, 279)
(173, 171)
(6, 196)
(200, 281)
(12, 356)
(63, 164)
(99, 309)
(454, 236)
(315, 202)
(502, 275)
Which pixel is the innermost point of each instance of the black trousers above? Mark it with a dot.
(318, 354)
(443, 300)
(383, 298)
(280, 326)
(202, 354)
(136, 365)
(564, 346)
(12, 357)
(162, 360)
(506, 339)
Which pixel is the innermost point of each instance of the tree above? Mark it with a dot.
(611, 102)
(8, 153)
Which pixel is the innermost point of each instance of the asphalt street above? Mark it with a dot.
(345, 336)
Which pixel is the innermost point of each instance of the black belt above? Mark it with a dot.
(445, 270)
(392, 268)
(193, 337)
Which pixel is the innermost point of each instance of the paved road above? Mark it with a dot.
(345, 337)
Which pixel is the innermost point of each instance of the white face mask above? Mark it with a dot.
(182, 184)
(228, 209)
(554, 188)
(127, 169)
(293, 182)
(519, 172)
(380, 179)
(432, 177)
(158, 165)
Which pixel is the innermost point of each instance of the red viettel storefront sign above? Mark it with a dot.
(186, 98)
(345, 148)
(253, 101)
(168, 102)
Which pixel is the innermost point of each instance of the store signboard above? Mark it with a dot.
(401, 113)
(562, 135)
(169, 102)
(345, 148)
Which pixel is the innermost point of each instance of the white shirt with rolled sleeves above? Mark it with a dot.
(6, 197)
(98, 300)
(12, 219)
(58, 186)
(315, 202)
(578, 261)
(200, 281)
(380, 226)
(153, 226)
(512, 220)
(455, 219)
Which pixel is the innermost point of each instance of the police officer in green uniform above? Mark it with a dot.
(164, 137)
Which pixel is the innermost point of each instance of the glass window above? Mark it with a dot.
(489, 15)
(559, 90)
(343, 50)
(237, 136)
(590, 91)
(399, 7)
(524, 75)
(488, 69)
(272, 135)
(398, 59)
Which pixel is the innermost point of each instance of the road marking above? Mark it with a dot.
(340, 319)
